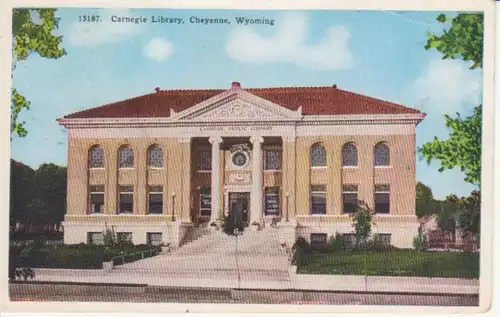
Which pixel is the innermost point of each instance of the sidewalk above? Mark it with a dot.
(255, 280)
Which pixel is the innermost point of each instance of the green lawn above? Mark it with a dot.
(76, 256)
(393, 263)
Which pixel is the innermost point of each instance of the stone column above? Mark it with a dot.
(183, 201)
(256, 194)
(215, 175)
(140, 186)
(334, 174)
(288, 177)
(111, 185)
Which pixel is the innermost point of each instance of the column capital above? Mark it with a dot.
(256, 139)
(215, 139)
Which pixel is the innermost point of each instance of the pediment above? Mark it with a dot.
(236, 106)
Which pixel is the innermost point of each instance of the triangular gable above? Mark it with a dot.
(236, 105)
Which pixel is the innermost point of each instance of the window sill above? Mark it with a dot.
(205, 171)
(96, 214)
(155, 215)
(350, 167)
(126, 168)
(155, 168)
(125, 214)
(272, 171)
(383, 167)
(97, 168)
(319, 167)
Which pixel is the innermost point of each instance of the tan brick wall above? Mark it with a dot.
(400, 175)
(174, 176)
(296, 177)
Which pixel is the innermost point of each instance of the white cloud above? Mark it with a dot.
(448, 86)
(158, 49)
(287, 45)
(95, 33)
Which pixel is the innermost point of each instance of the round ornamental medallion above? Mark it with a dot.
(239, 159)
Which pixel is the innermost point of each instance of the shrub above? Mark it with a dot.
(337, 243)
(301, 243)
(362, 223)
(299, 257)
(419, 243)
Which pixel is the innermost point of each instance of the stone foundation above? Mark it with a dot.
(76, 229)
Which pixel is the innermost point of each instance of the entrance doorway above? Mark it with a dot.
(239, 205)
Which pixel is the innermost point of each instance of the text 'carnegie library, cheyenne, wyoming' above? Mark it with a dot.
(192, 20)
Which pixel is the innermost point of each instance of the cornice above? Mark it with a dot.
(305, 121)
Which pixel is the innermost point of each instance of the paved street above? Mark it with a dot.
(34, 292)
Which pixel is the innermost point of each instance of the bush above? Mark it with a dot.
(301, 243)
(419, 243)
(337, 243)
(77, 256)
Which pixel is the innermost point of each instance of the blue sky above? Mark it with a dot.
(376, 53)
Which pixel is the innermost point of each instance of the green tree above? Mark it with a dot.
(462, 148)
(464, 39)
(362, 223)
(49, 188)
(425, 204)
(21, 178)
(32, 31)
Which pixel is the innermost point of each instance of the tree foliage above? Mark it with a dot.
(425, 200)
(462, 149)
(37, 197)
(32, 31)
(362, 223)
(464, 38)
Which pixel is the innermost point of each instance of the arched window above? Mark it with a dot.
(318, 155)
(155, 156)
(381, 153)
(96, 157)
(349, 155)
(126, 157)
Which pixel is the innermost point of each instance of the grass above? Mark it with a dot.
(77, 256)
(393, 263)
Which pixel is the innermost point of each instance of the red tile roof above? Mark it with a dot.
(314, 101)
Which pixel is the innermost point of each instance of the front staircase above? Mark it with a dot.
(254, 256)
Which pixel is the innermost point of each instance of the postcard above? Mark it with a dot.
(211, 157)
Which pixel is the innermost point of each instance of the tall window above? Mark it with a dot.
(126, 157)
(272, 201)
(96, 199)
(155, 200)
(126, 200)
(318, 199)
(205, 162)
(382, 199)
(318, 155)
(96, 157)
(272, 162)
(381, 152)
(350, 198)
(349, 155)
(155, 157)
(205, 201)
